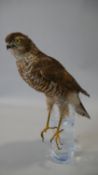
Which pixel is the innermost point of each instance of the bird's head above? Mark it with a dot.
(18, 43)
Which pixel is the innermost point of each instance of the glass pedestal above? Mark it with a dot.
(67, 139)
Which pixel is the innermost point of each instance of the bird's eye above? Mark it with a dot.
(17, 40)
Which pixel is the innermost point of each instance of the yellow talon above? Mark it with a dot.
(56, 136)
(45, 130)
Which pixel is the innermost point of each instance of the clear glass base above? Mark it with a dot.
(65, 155)
(62, 158)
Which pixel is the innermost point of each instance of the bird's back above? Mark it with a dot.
(47, 75)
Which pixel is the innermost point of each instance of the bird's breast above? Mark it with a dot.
(25, 71)
(36, 81)
(28, 74)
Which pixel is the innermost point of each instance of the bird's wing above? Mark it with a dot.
(51, 70)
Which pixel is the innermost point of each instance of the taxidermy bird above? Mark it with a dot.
(47, 75)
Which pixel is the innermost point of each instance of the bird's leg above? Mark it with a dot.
(56, 135)
(63, 109)
(47, 126)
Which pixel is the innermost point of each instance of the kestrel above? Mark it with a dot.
(47, 75)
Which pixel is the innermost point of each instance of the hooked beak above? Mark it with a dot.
(10, 46)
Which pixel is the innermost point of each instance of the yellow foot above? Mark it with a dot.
(56, 136)
(45, 130)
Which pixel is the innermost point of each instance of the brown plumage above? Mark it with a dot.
(46, 75)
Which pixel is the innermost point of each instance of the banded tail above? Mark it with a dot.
(80, 109)
(84, 92)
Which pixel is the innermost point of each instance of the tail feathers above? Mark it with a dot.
(85, 92)
(80, 109)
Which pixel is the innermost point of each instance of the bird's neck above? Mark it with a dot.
(31, 54)
(27, 57)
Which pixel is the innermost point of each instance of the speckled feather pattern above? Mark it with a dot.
(32, 73)
(45, 74)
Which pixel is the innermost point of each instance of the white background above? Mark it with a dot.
(68, 31)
